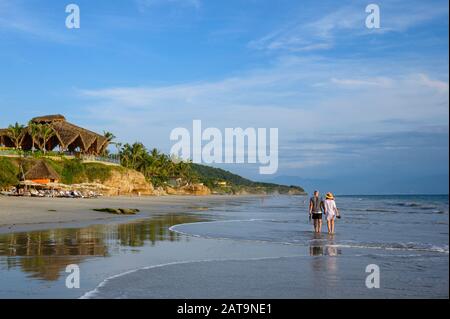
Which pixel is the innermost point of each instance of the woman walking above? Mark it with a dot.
(331, 212)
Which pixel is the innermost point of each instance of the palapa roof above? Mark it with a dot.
(48, 118)
(41, 170)
(68, 133)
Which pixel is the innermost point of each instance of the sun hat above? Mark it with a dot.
(329, 196)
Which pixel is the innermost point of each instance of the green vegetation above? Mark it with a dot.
(72, 171)
(210, 176)
(98, 172)
(40, 134)
(8, 173)
(15, 133)
(159, 168)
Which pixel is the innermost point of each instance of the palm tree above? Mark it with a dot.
(46, 132)
(109, 136)
(133, 156)
(16, 134)
(138, 152)
(155, 153)
(33, 130)
(118, 147)
(156, 167)
(125, 156)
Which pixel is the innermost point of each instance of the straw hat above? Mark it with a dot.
(329, 196)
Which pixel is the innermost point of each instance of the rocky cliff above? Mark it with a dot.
(128, 182)
(194, 189)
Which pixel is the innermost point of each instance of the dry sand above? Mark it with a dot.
(29, 213)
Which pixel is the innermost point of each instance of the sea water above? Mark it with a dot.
(260, 247)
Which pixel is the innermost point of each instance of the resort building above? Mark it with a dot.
(68, 137)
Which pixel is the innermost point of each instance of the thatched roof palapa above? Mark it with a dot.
(49, 119)
(41, 170)
(67, 135)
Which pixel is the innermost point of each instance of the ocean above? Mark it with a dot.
(247, 247)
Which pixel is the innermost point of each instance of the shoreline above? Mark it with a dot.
(19, 214)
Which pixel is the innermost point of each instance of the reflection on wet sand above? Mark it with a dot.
(44, 254)
(323, 245)
(324, 251)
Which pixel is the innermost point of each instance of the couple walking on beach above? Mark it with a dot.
(318, 207)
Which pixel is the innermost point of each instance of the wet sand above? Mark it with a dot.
(289, 277)
(19, 214)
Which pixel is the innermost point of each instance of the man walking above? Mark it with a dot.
(315, 211)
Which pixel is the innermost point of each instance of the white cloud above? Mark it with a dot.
(434, 84)
(315, 35)
(323, 31)
(377, 81)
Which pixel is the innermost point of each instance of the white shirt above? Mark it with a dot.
(330, 208)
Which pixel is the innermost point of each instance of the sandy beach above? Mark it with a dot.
(26, 213)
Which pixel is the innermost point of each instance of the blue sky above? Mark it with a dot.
(358, 110)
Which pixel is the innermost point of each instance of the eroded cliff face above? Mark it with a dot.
(120, 182)
(193, 189)
(131, 182)
(128, 182)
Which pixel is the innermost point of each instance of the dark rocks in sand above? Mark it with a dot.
(118, 211)
(128, 211)
(107, 210)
